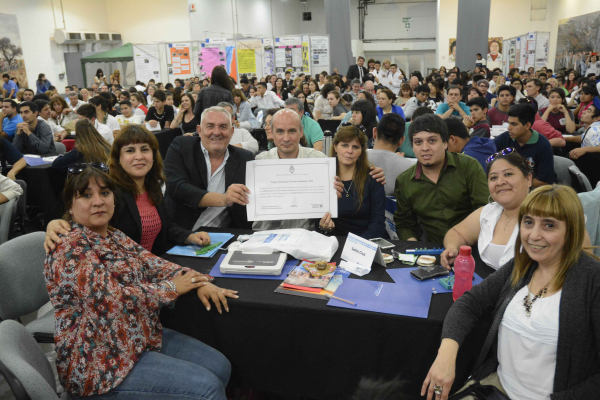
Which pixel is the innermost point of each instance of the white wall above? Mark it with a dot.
(36, 29)
(147, 21)
(255, 18)
(384, 21)
(561, 9)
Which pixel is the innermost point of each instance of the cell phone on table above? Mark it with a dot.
(384, 244)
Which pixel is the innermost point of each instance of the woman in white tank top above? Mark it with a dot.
(494, 226)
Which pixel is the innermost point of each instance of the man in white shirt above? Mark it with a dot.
(58, 131)
(241, 137)
(88, 111)
(74, 102)
(533, 88)
(286, 128)
(265, 98)
(395, 79)
(127, 117)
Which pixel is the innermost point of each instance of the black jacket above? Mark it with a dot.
(353, 72)
(577, 373)
(288, 83)
(127, 220)
(211, 96)
(186, 172)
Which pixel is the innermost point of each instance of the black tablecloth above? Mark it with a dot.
(294, 345)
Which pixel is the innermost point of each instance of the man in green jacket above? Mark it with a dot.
(441, 189)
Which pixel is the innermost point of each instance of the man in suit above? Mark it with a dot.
(199, 197)
(357, 71)
(287, 82)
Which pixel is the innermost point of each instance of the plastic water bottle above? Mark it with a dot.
(464, 268)
(327, 140)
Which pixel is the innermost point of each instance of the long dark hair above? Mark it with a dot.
(219, 77)
(77, 184)
(361, 171)
(306, 108)
(133, 134)
(369, 115)
(40, 76)
(98, 72)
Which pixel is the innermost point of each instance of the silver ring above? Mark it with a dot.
(193, 280)
(437, 389)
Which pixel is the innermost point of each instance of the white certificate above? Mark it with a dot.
(300, 188)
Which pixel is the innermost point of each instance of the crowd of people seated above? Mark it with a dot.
(468, 157)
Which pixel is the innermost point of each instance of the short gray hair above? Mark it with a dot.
(294, 100)
(216, 109)
(224, 104)
(287, 111)
(479, 82)
(355, 82)
(73, 94)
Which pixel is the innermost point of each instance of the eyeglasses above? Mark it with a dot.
(504, 152)
(357, 127)
(79, 168)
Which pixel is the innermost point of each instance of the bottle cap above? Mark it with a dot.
(464, 251)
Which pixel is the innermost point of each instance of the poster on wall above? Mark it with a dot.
(577, 37)
(179, 58)
(452, 50)
(248, 57)
(319, 50)
(288, 55)
(219, 51)
(305, 55)
(541, 49)
(494, 49)
(146, 62)
(518, 53)
(268, 57)
(512, 53)
(11, 52)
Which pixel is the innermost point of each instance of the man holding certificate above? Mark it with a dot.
(206, 175)
(297, 195)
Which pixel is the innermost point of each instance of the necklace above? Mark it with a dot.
(157, 115)
(528, 301)
(508, 220)
(349, 187)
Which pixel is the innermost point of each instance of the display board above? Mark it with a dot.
(319, 53)
(146, 62)
(306, 54)
(268, 56)
(541, 49)
(288, 55)
(219, 51)
(179, 58)
(249, 57)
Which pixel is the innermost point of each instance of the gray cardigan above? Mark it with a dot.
(577, 373)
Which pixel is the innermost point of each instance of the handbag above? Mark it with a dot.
(477, 390)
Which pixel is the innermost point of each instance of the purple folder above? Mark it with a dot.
(287, 268)
(383, 297)
(402, 276)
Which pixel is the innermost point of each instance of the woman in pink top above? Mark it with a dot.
(136, 167)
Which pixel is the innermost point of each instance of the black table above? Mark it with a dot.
(294, 345)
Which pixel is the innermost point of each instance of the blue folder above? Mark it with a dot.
(190, 250)
(402, 276)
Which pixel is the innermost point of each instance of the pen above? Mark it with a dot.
(340, 299)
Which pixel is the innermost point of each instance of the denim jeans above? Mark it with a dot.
(184, 369)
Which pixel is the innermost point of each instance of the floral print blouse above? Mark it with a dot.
(107, 293)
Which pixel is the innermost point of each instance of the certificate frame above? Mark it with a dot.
(268, 202)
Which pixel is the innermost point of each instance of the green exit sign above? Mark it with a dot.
(407, 19)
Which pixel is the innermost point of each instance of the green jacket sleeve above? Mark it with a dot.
(404, 218)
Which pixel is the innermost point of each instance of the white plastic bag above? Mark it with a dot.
(299, 243)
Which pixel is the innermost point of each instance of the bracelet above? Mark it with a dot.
(170, 285)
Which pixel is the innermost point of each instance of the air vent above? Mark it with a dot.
(116, 36)
(74, 36)
(104, 36)
(90, 36)
(307, 16)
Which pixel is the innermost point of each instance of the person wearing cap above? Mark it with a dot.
(590, 140)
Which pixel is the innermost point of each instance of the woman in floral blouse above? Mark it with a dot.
(107, 291)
